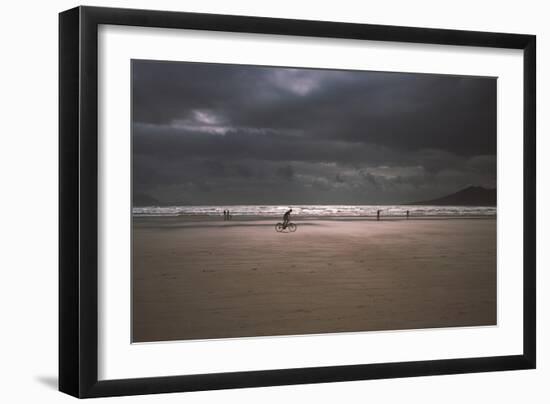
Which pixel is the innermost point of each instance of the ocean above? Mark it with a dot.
(316, 210)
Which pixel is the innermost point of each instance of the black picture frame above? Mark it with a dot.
(78, 206)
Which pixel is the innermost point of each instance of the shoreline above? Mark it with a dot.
(296, 218)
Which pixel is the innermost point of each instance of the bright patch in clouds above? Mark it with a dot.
(206, 117)
(296, 81)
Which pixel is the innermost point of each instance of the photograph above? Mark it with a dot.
(289, 200)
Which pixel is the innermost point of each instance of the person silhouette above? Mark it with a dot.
(286, 218)
(378, 215)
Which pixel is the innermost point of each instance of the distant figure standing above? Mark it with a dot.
(286, 218)
(224, 214)
(228, 215)
(407, 215)
(378, 215)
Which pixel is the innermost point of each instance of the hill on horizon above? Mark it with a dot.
(470, 196)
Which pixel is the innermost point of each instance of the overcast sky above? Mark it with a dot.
(230, 134)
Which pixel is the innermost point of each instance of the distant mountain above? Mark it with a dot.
(145, 200)
(142, 200)
(471, 196)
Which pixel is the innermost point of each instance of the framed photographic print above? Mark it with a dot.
(251, 201)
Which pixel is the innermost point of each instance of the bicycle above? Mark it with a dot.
(280, 228)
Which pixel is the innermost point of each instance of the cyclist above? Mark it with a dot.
(286, 218)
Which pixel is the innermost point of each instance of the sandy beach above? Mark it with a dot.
(201, 278)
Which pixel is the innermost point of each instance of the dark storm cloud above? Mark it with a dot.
(240, 134)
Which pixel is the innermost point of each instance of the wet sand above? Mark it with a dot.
(201, 278)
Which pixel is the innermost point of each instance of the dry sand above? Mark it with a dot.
(198, 278)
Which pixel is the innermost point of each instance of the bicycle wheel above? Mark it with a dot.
(292, 227)
(279, 227)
